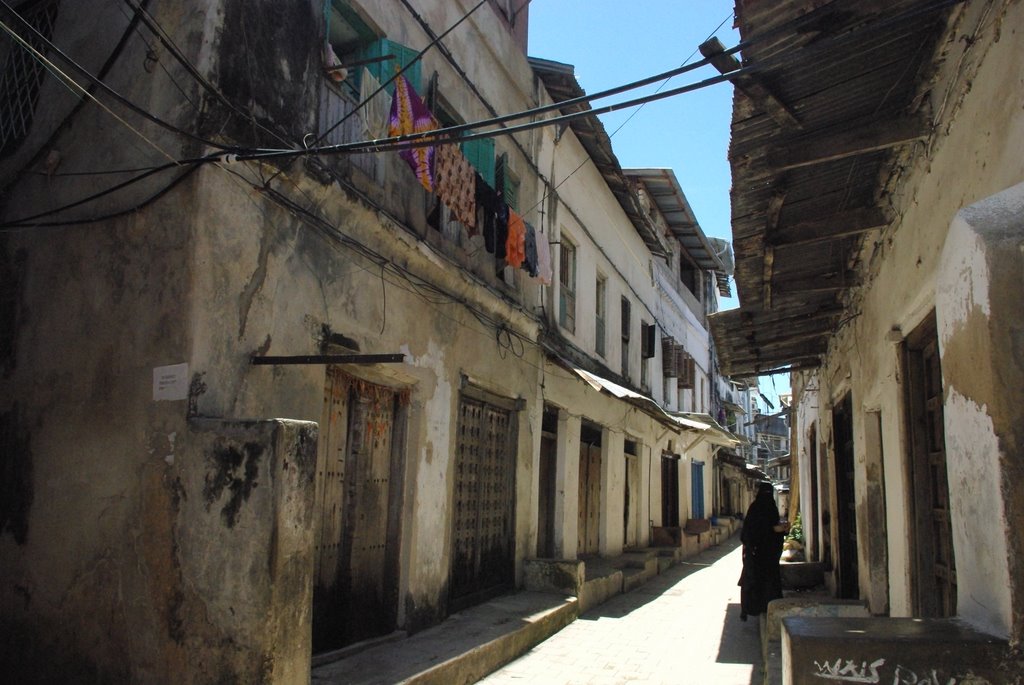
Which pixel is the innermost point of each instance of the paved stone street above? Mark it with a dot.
(681, 627)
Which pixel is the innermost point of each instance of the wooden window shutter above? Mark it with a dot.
(687, 370)
(480, 154)
(669, 361)
(386, 69)
(648, 335)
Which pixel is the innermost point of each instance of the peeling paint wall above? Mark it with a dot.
(921, 264)
(981, 335)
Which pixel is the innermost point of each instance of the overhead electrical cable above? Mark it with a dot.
(401, 71)
(447, 135)
(93, 80)
(165, 39)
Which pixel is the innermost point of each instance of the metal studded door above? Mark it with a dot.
(355, 590)
(330, 489)
(483, 535)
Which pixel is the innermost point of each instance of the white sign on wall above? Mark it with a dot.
(170, 382)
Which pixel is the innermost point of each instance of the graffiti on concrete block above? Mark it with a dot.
(850, 671)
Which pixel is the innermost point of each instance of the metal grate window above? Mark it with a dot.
(22, 73)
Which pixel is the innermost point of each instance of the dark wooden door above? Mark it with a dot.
(810, 523)
(846, 505)
(546, 499)
(483, 535)
(355, 594)
(589, 499)
(934, 563)
(670, 490)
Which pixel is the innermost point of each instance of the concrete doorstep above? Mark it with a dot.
(461, 650)
(476, 641)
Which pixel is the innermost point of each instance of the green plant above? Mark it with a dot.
(796, 531)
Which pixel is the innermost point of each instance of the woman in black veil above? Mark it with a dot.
(762, 538)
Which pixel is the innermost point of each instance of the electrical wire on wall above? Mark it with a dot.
(456, 133)
(505, 338)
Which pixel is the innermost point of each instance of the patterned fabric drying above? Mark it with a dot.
(455, 184)
(375, 109)
(515, 245)
(530, 251)
(410, 115)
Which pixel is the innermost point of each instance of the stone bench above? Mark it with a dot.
(888, 650)
(809, 605)
(802, 575)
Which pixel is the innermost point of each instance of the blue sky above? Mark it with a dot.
(612, 43)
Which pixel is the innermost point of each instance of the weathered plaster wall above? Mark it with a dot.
(274, 284)
(978, 151)
(100, 308)
(982, 342)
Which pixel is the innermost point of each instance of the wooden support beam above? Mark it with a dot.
(746, 317)
(786, 337)
(749, 85)
(329, 359)
(766, 282)
(820, 148)
(839, 225)
(749, 371)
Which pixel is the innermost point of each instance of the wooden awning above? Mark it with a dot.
(818, 127)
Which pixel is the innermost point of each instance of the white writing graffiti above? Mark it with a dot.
(850, 672)
(905, 676)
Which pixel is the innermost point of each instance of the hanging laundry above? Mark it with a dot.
(515, 245)
(544, 272)
(530, 251)
(487, 200)
(374, 111)
(455, 184)
(410, 115)
(501, 230)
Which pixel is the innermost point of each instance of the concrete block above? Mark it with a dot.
(598, 590)
(888, 650)
(632, 578)
(800, 575)
(690, 546)
(666, 536)
(559, 576)
(779, 609)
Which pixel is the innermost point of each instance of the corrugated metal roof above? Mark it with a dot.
(805, 194)
(663, 187)
(560, 81)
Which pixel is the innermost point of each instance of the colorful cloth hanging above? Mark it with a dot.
(515, 245)
(455, 184)
(374, 111)
(409, 114)
(530, 251)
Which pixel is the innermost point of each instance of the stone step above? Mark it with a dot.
(889, 650)
(463, 649)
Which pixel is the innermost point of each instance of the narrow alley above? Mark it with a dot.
(681, 627)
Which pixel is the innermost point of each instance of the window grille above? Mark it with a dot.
(23, 73)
